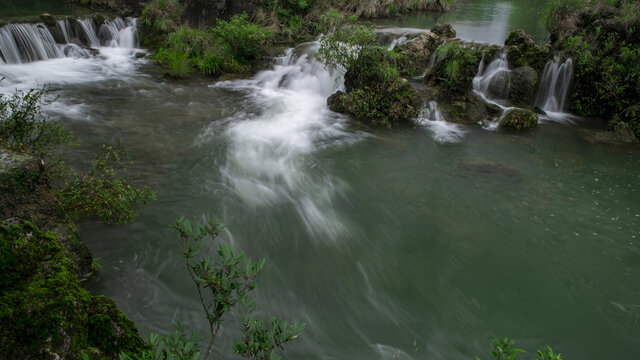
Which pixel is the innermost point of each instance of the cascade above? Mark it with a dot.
(89, 32)
(25, 43)
(554, 85)
(118, 33)
(493, 80)
(21, 43)
(443, 131)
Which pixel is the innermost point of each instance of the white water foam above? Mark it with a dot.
(271, 155)
(554, 90)
(443, 131)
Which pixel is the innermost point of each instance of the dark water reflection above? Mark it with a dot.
(483, 20)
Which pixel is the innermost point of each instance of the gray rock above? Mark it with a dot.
(522, 87)
(444, 30)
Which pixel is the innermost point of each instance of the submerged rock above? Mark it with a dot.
(491, 171)
(518, 119)
(620, 134)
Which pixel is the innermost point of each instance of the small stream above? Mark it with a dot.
(406, 244)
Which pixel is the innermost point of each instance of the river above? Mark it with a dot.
(412, 243)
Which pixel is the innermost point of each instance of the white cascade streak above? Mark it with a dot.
(493, 80)
(443, 131)
(271, 156)
(554, 88)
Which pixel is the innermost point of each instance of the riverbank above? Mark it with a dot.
(45, 311)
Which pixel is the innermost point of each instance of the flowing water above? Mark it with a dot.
(416, 243)
(487, 21)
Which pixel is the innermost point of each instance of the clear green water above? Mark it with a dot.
(388, 244)
(487, 21)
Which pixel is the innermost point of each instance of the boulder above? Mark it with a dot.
(334, 102)
(444, 30)
(518, 119)
(522, 88)
(519, 38)
(522, 50)
(48, 20)
(426, 42)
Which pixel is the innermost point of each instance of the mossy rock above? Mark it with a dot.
(518, 119)
(523, 51)
(44, 312)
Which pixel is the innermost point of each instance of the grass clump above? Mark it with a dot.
(455, 67)
(385, 8)
(229, 47)
(603, 40)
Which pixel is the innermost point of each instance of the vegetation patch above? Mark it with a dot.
(603, 40)
(456, 66)
(45, 312)
(375, 91)
(229, 47)
(518, 119)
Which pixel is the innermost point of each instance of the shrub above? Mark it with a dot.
(162, 15)
(101, 192)
(224, 282)
(23, 127)
(245, 40)
(456, 66)
(503, 350)
(340, 48)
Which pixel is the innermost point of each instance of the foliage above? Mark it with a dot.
(101, 192)
(162, 15)
(229, 47)
(607, 78)
(261, 341)
(518, 119)
(558, 11)
(381, 8)
(375, 91)
(23, 127)
(243, 38)
(340, 48)
(224, 282)
(43, 307)
(456, 66)
(175, 346)
(503, 350)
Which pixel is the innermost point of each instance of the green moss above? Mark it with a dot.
(455, 67)
(43, 308)
(375, 91)
(518, 119)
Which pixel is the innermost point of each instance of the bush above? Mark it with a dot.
(24, 129)
(375, 91)
(101, 192)
(456, 66)
(162, 15)
(503, 350)
(229, 47)
(245, 40)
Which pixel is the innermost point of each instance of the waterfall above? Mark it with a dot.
(25, 43)
(89, 32)
(118, 33)
(271, 153)
(554, 85)
(493, 80)
(442, 130)
(21, 43)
